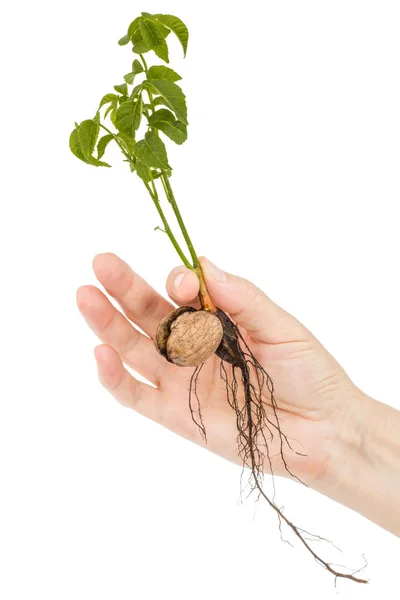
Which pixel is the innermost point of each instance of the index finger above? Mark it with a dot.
(139, 301)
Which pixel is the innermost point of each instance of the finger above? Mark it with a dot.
(126, 389)
(139, 301)
(264, 320)
(183, 287)
(112, 328)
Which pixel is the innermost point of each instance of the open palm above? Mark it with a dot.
(311, 389)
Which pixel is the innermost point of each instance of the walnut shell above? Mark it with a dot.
(188, 337)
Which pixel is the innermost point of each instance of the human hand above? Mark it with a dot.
(312, 391)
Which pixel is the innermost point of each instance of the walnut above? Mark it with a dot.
(188, 337)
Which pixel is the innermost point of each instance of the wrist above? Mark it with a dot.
(364, 463)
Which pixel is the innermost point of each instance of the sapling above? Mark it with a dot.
(138, 116)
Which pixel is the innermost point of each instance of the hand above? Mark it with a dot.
(312, 391)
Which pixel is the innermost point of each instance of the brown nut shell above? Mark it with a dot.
(189, 338)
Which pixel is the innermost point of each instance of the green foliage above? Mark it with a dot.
(172, 95)
(82, 142)
(129, 116)
(121, 89)
(126, 106)
(154, 38)
(165, 121)
(162, 72)
(152, 152)
(103, 143)
(108, 98)
(178, 27)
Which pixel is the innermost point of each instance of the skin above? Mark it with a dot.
(349, 442)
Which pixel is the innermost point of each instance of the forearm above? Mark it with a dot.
(365, 462)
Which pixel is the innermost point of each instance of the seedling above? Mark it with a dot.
(150, 99)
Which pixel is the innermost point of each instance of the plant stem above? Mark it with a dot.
(204, 296)
(168, 231)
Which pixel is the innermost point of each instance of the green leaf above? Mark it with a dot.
(165, 121)
(129, 116)
(154, 38)
(113, 106)
(75, 146)
(76, 149)
(107, 98)
(164, 30)
(159, 101)
(152, 152)
(129, 78)
(134, 27)
(156, 174)
(137, 67)
(122, 99)
(121, 89)
(172, 95)
(103, 143)
(141, 47)
(88, 132)
(128, 142)
(113, 115)
(162, 72)
(124, 40)
(178, 27)
(143, 171)
(136, 90)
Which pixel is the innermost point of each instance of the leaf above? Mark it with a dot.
(134, 27)
(113, 106)
(137, 67)
(141, 48)
(156, 174)
(128, 142)
(113, 115)
(178, 27)
(75, 146)
(164, 30)
(152, 152)
(124, 40)
(98, 163)
(129, 78)
(162, 72)
(107, 98)
(103, 143)
(154, 38)
(173, 96)
(159, 101)
(129, 116)
(165, 121)
(143, 171)
(121, 100)
(136, 90)
(121, 89)
(88, 132)
(76, 149)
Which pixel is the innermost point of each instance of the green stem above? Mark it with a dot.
(167, 228)
(171, 199)
(204, 296)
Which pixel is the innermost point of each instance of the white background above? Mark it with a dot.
(290, 178)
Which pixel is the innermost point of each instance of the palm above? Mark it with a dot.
(303, 372)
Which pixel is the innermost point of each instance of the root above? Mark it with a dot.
(194, 402)
(256, 428)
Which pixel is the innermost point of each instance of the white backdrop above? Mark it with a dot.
(290, 178)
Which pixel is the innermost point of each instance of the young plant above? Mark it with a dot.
(151, 100)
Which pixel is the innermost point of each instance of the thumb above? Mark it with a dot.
(250, 308)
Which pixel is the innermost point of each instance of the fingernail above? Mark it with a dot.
(178, 281)
(214, 271)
